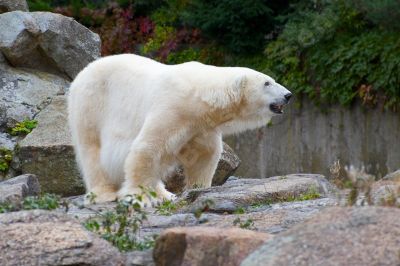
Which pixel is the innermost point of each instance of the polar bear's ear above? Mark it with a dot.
(225, 96)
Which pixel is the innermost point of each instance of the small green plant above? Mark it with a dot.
(45, 201)
(91, 197)
(390, 198)
(266, 202)
(6, 156)
(243, 224)
(120, 225)
(239, 210)
(352, 197)
(6, 207)
(204, 207)
(311, 194)
(168, 207)
(23, 128)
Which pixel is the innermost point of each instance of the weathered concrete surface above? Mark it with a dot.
(48, 153)
(336, 236)
(47, 41)
(205, 246)
(50, 238)
(311, 138)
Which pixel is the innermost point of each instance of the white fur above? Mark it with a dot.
(133, 118)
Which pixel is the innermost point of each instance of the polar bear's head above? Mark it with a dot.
(265, 97)
(256, 97)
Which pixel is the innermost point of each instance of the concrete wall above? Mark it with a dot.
(308, 138)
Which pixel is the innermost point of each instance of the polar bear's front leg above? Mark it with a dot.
(147, 161)
(200, 159)
(143, 169)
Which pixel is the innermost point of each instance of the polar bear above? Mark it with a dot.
(133, 120)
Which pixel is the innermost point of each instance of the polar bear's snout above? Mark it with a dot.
(276, 107)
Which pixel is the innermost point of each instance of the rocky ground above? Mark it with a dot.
(286, 220)
(296, 219)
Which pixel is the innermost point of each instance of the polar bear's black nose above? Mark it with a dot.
(288, 96)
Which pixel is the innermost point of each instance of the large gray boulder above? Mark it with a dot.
(336, 236)
(48, 42)
(25, 92)
(237, 193)
(48, 152)
(50, 238)
(12, 5)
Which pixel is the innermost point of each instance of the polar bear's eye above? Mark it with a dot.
(267, 83)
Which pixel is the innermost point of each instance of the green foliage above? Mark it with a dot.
(205, 206)
(239, 210)
(23, 128)
(248, 224)
(333, 54)
(383, 13)
(168, 207)
(311, 194)
(6, 207)
(45, 201)
(40, 5)
(6, 156)
(119, 226)
(238, 25)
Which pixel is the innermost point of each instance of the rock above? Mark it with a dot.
(386, 191)
(25, 92)
(140, 258)
(48, 152)
(47, 41)
(49, 238)
(245, 192)
(227, 165)
(15, 189)
(7, 141)
(395, 176)
(336, 236)
(12, 5)
(205, 246)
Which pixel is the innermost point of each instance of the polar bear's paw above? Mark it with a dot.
(128, 193)
(163, 194)
(100, 197)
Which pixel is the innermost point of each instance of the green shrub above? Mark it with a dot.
(240, 26)
(332, 54)
(23, 128)
(45, 201)
(6, 156)
(120, 225)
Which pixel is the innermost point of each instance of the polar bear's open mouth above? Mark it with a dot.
(276, 108)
